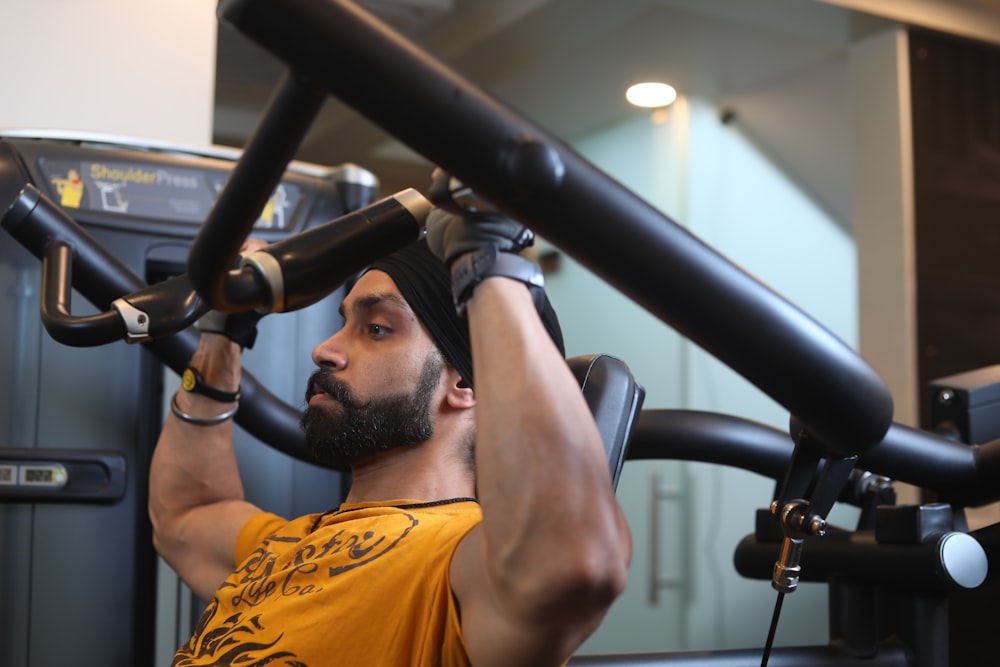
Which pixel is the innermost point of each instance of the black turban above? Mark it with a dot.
(425, 283)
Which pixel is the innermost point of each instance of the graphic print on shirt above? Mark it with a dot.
(229, 644)
(275, 570)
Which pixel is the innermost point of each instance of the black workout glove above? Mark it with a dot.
(240, 328)
(476, 246)
(450, 235)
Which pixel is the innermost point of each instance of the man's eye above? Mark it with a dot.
(377, 329)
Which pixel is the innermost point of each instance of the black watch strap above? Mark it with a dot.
(192, 381)
(472, 268)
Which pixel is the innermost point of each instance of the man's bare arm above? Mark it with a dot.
(196, 500)
(537, 577)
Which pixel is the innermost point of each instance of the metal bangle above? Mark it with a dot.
(201, 421)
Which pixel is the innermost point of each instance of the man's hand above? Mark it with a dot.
(450, 235)
(241, 328)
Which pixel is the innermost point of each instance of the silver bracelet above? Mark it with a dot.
(201, 421)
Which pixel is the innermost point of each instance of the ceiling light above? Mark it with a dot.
(651, 94)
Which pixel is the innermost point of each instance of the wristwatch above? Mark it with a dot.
(192, 381)
(473, 267)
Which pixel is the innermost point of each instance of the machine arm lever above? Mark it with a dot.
(541, 182)
(964, 475)
(277, 136)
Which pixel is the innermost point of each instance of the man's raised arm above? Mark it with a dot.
(538, 575)
(195, 494)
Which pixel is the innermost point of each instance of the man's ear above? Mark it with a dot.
(460, 394)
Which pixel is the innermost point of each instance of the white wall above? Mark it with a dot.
(708, 177)
(144, 69)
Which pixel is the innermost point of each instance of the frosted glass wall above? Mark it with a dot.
(708, 177)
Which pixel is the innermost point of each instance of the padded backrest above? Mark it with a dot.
(614, 398)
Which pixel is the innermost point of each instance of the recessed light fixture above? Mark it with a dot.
(651, 94)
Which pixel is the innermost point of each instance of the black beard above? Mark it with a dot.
(344, 433)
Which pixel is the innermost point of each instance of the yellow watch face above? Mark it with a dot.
(188, 380)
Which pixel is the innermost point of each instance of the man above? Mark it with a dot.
(410, 570)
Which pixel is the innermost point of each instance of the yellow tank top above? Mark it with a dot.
(365, 585)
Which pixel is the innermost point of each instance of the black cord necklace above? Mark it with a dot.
(405, 506)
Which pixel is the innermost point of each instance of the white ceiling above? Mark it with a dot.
(778, 66)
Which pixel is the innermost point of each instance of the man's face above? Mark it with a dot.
(377, 380)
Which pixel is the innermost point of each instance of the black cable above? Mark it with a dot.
(773, 628)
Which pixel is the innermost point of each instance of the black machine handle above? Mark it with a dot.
(300, 269)
(71, 257)
(154, 311)
(57, 283)
(540, 181)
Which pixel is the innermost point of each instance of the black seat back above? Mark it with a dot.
(614, 398)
